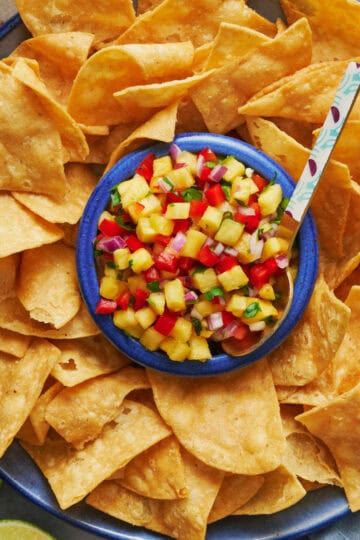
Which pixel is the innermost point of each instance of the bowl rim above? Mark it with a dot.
(88, 281)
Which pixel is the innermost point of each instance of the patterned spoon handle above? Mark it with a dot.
(320, 155)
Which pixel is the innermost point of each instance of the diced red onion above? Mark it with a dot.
(165, 186)
(200, 164)
(231, 251)
(256, 245)
(257, 326)
(174, 152)
(217, 173)
(218, 249)
(215, 321)
(246, 211)
(187, 281)
(282, 261)
(196, 314)
(177, 243)
(231, 329)
(209, 241)
(253, 292)
(221, 300)
(191, 296)
(110, 243)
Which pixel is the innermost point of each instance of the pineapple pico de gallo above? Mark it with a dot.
(188, 254)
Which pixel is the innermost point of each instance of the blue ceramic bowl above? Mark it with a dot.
(124, 169)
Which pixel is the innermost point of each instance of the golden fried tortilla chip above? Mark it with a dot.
(13, 343)
(96, 401)
(72, 473)
(106, 20)
(8, 269)
(84, 359)
(115, 68)
(37, 415)
(20, 386)
(22, 229)
(30, 145)
(47, 284)
(308, 350)
(101, 148)
(219, 97)
(337, 425)
(79, 183)
(230, 422)
(174, 20)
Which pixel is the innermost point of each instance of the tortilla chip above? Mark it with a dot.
(26, 433)
(230, 422)
(281, 489)
(101, 148)
(70, 233)
(59, 57)
(332, 199)
(107, 20)
(13, 343)
(331, 40)
(97, 402)
(22, 229)
(219, 97)
(79, 184)
(84, 359)
(72, 473)
(189, 117)
(305, 96)
(21, 385)
(235, 491)
(13, 316)
(157, 473)
(353, 278)
(337, 424)
(308, 350)
(115, 68)
(30, 146)
(8, 269)
(174, 20)
(47, 284)
(146, 5)
(37, 415)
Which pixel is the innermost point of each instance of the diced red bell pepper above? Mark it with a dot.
(146, 167)
(162, 239)
(123, 300)
(208, 155)
(259, 275)
(242, 331)
(272, 267)
(215, 195)
(185, 264)
(207, 257)
(165, 323)
(140, 298)
(227, 317)
(251, 222)
(181, 225)
(133, 243)
(108, 257)
(166, 261)
(110, 228)
(151, 274)
(260, 182)
(197, 208)
(225, 263)
(104, 306)
(205, 173)
(172, 197)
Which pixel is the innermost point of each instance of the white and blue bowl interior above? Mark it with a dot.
(88, 279)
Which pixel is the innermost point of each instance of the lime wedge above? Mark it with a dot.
(14, 529)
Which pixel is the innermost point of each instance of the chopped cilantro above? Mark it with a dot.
(210, 164)
(151, 302)
(197, 325)
(226, 190)
(153, 286)
(115, 196)
(252, 310)
(131, 262)
(191, 194)
(111, 264)
(214, 291)
(199, 270)
(269, 320)
(97, 252)
(124, 224)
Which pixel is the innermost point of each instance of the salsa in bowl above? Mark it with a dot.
(178, 257)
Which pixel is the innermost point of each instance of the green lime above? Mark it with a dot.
(14, 529)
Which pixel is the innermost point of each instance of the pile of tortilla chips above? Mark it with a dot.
(169, 453)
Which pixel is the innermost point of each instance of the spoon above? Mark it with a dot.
(306, 187)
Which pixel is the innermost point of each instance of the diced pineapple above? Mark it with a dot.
(233, 278)
(110, 272)
(176, 350)
(140, 260)
(243, 248)
(258, 310)
(269, 199)
(205, 308)
(178, 210)
(125, 319)
(206, 280)
(121, 258)
(157, 301)
(199, 349)
(267, 292)
(194, 240)
(144, 230)
(181, 178)
(136, 282)
(175, 295)
(236, 304)
(162, 166)
(189, 159)
(242, 188)
(133, 190)
(151, 205)
(182, 330)
(273, 246)
(135, 331)
(211, 220)
(151, 339)
(229, 232)
(234, 168)
(135, 210)
(111, 288)
(145, 317)
(161, 224)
